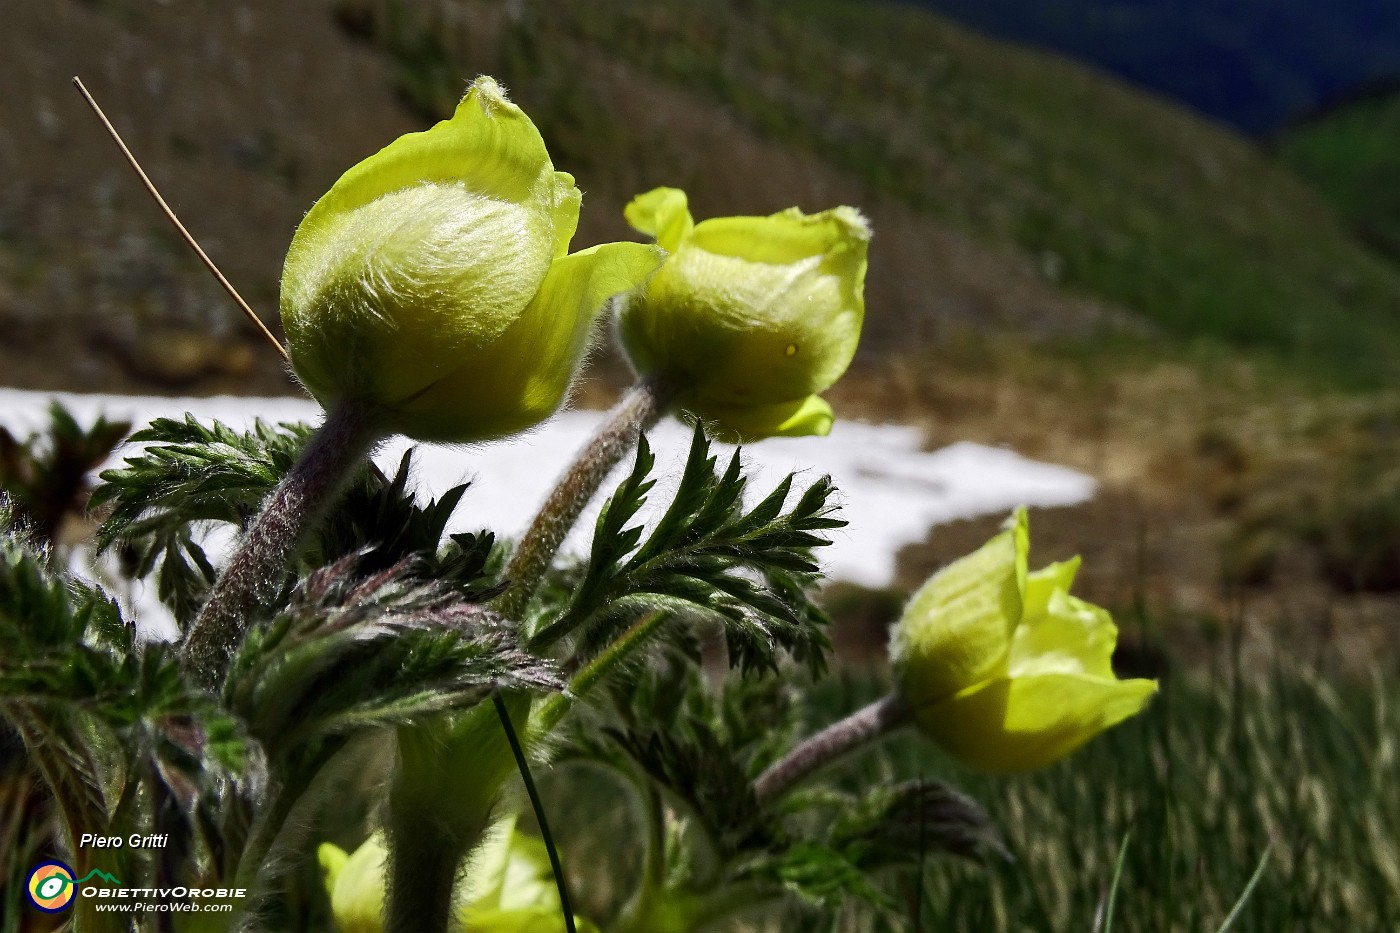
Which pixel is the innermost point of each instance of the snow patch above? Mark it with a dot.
(892, 491)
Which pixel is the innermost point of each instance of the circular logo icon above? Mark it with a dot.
(51, 887)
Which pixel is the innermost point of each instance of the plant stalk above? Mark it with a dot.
(298, 502)
(421, 900)
(450, 774)
(551, 710)
(861, 727)
(423, 816)
(637, 411)
(523, 765)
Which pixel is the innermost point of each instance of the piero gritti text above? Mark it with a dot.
(134, 841)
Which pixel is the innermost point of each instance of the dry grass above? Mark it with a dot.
(1194, 458)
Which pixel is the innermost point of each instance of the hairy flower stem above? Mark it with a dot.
(864, 725)
(449, 776)
(298, 502)
(637, 411)
(421, 886)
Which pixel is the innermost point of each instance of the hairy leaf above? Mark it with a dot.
(351, 652)
(706, 556)
(192, 476)
(45, 475)
(910, 822)
(107, 718)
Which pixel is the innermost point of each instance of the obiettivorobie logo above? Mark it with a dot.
(52, 887)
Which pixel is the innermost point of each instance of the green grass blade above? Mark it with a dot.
(1117, 879)
(1248, 890)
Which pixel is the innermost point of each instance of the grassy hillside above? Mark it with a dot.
(1010, 190)
(1351, 152)
(1111, 195)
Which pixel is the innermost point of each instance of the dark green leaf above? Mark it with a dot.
(749, 570)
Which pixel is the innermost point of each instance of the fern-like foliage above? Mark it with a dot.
(125, 743)
(45, 475)
(350, 655)
(91, 700)
(707, 556)
(189, 476)
(844, 843)
(893, 825)
(380, 520)
(192, 472)
(702, 748)
(352, 652)
(49, 672)
(192, 475)
(698, 747)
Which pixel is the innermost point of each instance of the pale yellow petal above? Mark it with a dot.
(488, 144)
(357, 897)
(568, 202)
(523, 376)
(1071, 637)
(332, 859)
(388, 301)
(1009, 725)
(752, 311)
(1040, 584)
(663, 214)
(737, 424)
(957, 629)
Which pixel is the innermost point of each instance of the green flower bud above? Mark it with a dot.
(750, 317)
(1003, 667)
(432, 283)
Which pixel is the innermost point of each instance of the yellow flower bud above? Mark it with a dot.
(750, 317)
(1004, 668)
(432, 284)
(508, 886)
(355, 883)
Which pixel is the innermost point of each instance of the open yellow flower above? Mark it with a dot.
(1004, 668)
(432, 284)
(750, 318)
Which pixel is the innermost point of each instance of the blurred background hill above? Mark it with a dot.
(1172, 262)
(1349, 148)
(1255, 64)
(1012, 190)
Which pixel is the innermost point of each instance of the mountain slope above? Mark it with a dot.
(1351, 153)
(1116, 196)
(1253, 63)
(1008, 189)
